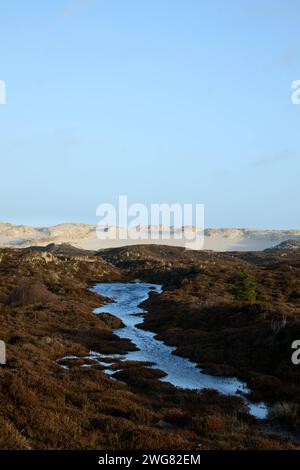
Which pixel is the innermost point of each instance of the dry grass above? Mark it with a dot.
(44, 406)
(285, 412)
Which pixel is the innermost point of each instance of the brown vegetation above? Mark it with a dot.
(44, 406)
(200, 314)
(30, 292)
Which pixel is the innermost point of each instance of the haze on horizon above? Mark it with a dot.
(162, 101)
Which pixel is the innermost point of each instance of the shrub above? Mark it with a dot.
(284, 411)
(245, 287)
(29, 293)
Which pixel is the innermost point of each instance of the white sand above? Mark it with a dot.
(85, 236)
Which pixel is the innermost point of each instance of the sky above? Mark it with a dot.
(165, 101)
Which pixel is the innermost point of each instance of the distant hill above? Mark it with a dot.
(287, 245)
(84, 236)
(64, 249)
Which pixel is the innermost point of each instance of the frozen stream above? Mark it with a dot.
(180, 371)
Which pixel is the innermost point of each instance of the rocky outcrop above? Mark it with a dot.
(287, 245)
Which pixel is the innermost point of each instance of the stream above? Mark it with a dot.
(180, 371)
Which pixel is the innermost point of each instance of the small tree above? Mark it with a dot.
(245, 287)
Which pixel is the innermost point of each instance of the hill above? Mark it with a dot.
(84, 236)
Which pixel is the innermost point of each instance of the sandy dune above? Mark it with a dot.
(85, 236)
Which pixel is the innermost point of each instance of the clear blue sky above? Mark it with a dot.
(160, 100)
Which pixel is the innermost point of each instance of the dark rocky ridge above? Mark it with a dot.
(64, 249)
(286, 245)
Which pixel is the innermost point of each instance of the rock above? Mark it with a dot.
(46, 340)
(164, 425)
(111, 321)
